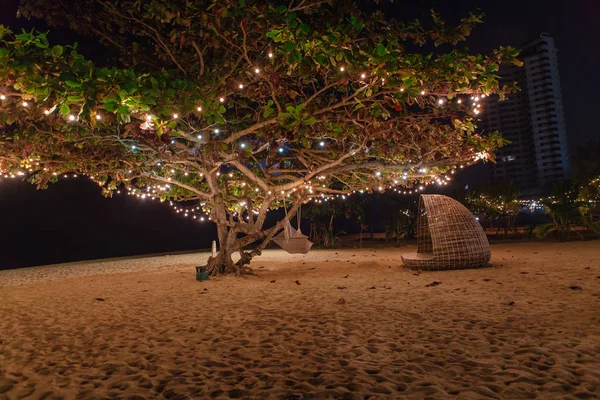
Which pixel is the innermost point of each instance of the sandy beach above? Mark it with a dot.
(332, 324)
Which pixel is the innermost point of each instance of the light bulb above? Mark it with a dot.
(71, 118)
(199, 108)
(199, 136)
(175, 116)
(222, 99)
(342, 69)
(322, 144)
(98, 117)
(422, 92)
(243, 145)
(459, 101)
(148, 117)
(281, 149)
(440, 101)
(25, 104)
(46, 112)
(2, 97)
(217, 130)
(257, 70)
(133, 147)
(270, 55)
(402, 89)
(363, 76)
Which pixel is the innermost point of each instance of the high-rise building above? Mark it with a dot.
(532, 119)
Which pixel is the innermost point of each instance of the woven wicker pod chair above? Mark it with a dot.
(448, 237)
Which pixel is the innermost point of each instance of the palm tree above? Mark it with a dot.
(562, 206)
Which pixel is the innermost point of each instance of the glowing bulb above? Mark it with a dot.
(148, 117)
(133, 147)
(25, 104)
(46, 112)
(422, 92)
(342, 69)
(257, 71)
(402, 89)
(440, 101)
(270, 55)
(199, 108)
(377, 173)
(98, 117)
(363, 76)
(243, 145)
(241, 86)
(71, 118)
(281, 149)
(222, 99)
(175, 116)
(2, 97)
(217, 130)
(199, 136)
(322, 144)
(459, 101)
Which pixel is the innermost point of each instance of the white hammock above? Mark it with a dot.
(291, 240)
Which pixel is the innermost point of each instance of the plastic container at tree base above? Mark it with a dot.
(201, 273)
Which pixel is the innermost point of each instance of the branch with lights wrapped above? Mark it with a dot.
(253, 105)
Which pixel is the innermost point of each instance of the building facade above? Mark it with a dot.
(532, 119)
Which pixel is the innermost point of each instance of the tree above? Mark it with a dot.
(499, 201)
(239, 105)
(562, 206)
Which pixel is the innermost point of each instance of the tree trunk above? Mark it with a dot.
(235, 234)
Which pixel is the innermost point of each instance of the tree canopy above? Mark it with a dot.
(242, 105)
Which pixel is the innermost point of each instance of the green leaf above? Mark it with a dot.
(75, 99)
(267, 112)
(65, 109)
(381, 50)
(304, 28)
(110, 106)
(57, 51)
(74, 84)
(281, 9)
(294, 57)
(289, 46)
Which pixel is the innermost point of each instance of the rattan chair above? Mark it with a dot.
(448, 237)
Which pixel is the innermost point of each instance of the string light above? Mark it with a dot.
(175, 116)
(2, 97)
(270, 55)
(98, 117)
(221, 99)
(148, 117)
(71, 117)
(25, 104)
(322, 144)
(363, 76)
(257, 71)
(422, 92)
(199, 109)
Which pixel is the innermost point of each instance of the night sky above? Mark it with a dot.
(72, 221)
